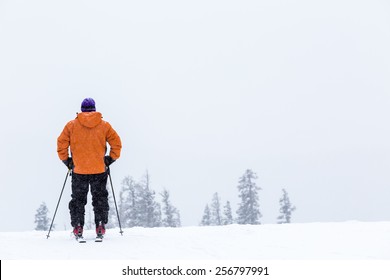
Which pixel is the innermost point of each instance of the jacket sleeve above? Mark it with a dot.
(63, 142)
(115, 143)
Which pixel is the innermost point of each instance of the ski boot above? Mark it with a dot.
(78, 233)
(100, 231)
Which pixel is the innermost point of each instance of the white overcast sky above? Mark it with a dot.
(200, 91)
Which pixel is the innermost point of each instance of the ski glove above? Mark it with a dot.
(68, 162)
(108, 160)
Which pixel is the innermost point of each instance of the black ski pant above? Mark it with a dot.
(80, 187)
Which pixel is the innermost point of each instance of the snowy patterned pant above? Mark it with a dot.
(80, 187)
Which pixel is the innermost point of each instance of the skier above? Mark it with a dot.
(87, 136)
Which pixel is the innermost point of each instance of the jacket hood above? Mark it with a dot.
(89, 119)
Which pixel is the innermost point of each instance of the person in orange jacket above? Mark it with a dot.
(86, 137)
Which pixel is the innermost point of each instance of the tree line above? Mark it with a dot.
(248, 211)
(140, 206)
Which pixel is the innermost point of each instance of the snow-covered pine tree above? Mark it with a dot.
(206, 219)
(171, 214)
(128, 203)
(137, 204)
(227, 214)
(41, 220)
(286, 208)
(249, 210)
(150, 210)
(216, 217)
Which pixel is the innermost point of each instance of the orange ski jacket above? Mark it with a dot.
(86, 136)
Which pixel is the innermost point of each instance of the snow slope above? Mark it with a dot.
(319, 241)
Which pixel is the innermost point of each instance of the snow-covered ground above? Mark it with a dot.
(318, 241)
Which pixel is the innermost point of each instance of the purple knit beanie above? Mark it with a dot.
(88, 105)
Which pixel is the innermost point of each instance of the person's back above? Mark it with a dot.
(87, 136)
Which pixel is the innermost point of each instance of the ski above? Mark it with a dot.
(99, 238)
(80, 239)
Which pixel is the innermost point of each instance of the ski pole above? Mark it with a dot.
(113, 195)
(58, 203)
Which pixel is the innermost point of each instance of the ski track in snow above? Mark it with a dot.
(318, 241)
